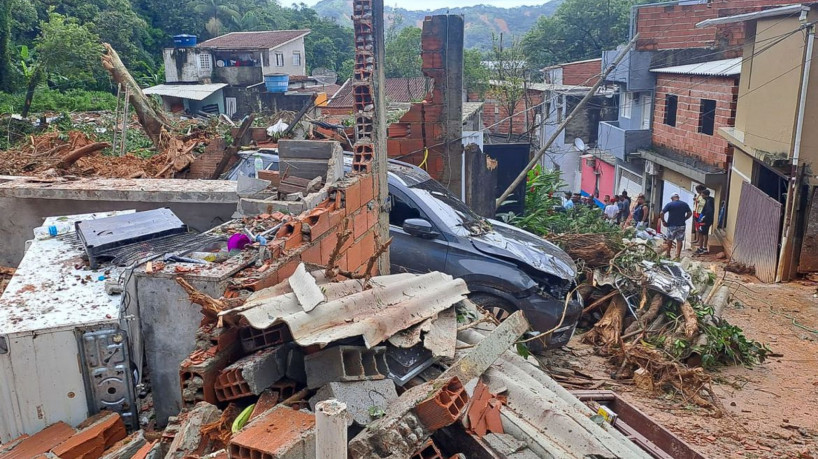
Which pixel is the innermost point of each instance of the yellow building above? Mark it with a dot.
(770, 220)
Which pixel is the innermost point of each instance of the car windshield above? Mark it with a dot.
(456, 215)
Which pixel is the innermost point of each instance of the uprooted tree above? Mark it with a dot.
(178, 149)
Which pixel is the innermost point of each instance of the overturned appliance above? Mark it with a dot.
(63, 354)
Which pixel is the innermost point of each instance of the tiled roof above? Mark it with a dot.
(397, 90)
(253, 40)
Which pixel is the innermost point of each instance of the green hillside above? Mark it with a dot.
(481, 21)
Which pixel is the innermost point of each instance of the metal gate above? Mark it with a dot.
(809, 249)
(758, 227)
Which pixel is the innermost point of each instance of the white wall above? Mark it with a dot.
(184, 65)
(287, 50)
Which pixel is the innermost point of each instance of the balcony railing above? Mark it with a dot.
(621, 142)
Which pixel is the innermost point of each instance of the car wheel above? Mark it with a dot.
(495, 306)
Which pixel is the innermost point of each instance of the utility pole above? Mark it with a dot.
(567, 120)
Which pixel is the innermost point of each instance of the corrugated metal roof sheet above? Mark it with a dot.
(185, 91)
(392, 304)
(470, 108)
(253, 40)
(397, 90)
(724, 67)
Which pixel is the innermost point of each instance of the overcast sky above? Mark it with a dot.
(435, 4)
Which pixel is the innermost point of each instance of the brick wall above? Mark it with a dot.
(351, 210)
(518, 124)
(685, 137)
(424, 125)
(674, 26)
(582, 73)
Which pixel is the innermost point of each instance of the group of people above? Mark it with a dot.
(675, 214)
(619, 210)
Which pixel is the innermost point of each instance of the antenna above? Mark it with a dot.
(324, 75)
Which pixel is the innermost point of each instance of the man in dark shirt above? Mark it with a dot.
(677, 213)
(624, 207)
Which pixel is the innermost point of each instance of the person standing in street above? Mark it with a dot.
(673, 216)
(698, 205)
(706, 218)
(640, 213)
(611, 209)
(624, 208)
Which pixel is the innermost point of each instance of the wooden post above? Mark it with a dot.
(331, 429)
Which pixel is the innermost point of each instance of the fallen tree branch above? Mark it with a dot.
(73, 156)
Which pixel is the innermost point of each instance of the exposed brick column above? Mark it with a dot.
(369, 149)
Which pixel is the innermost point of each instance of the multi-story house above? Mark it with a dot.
(771, 220)
(226, 74)
(678, 87)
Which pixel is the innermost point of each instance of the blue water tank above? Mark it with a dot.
(184, 41)
(277, 82)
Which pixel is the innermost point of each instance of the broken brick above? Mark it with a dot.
(484, 411)
(199, 372)
(429, 450)
(253, 339)
(39, 443)
(92, 440)
(443, 408)
(280, 433)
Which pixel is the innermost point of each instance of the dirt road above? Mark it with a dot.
(772, 408)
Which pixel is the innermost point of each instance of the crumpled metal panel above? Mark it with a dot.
(391, 304)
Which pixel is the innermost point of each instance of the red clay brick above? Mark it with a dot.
(41, 442)
(429, 450)
(319, 222)
(367, 190)
(274, 434)
(360, 223)
(198, 374)
(352, 196)
(93, 440)
(313, 254)
(290, 232)
(445, 407)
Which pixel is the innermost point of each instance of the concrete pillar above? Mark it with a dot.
(331, 430)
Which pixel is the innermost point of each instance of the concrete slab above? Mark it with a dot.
(361, 397)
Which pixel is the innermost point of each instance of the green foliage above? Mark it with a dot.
(402, 53)
(579, 29)
(67, 50)
(52, 100)
(475, 74)
(727, 345)
(543, 196)
(6, 76)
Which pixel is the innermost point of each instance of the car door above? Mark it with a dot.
(409, 253)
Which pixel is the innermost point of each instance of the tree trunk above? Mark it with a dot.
(154, 122)
(32, 85)
(72, 157)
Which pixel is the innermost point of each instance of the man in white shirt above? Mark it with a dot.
(611, 209)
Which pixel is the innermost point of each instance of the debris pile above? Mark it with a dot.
(659, 321)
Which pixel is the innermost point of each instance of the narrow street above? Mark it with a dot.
(769, 408)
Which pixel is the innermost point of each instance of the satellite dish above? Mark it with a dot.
(580, 145)
(324, 75)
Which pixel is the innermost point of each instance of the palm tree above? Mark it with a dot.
(215, 12)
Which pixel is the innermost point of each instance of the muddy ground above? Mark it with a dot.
(771, 408)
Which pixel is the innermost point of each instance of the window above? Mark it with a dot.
(626, 105)
(204, 62)
(671, 104)
(279, 60)
(296, 58)
(707, 116)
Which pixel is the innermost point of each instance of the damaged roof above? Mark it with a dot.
(253, 40)
(185, 91)
(403, 90)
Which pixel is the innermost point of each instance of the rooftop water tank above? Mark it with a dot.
(184, 41)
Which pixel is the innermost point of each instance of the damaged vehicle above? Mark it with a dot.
(506, 268)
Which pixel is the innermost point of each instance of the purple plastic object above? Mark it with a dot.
(237, 241)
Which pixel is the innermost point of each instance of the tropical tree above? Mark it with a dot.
(475, 73)
(216, 13)
(402, 57)
(64, 49)
(5, 43)
(579, 29)
(509, 77)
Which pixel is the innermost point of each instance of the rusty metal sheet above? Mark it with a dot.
(809, 248)
(391, 304)
(758, 227)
